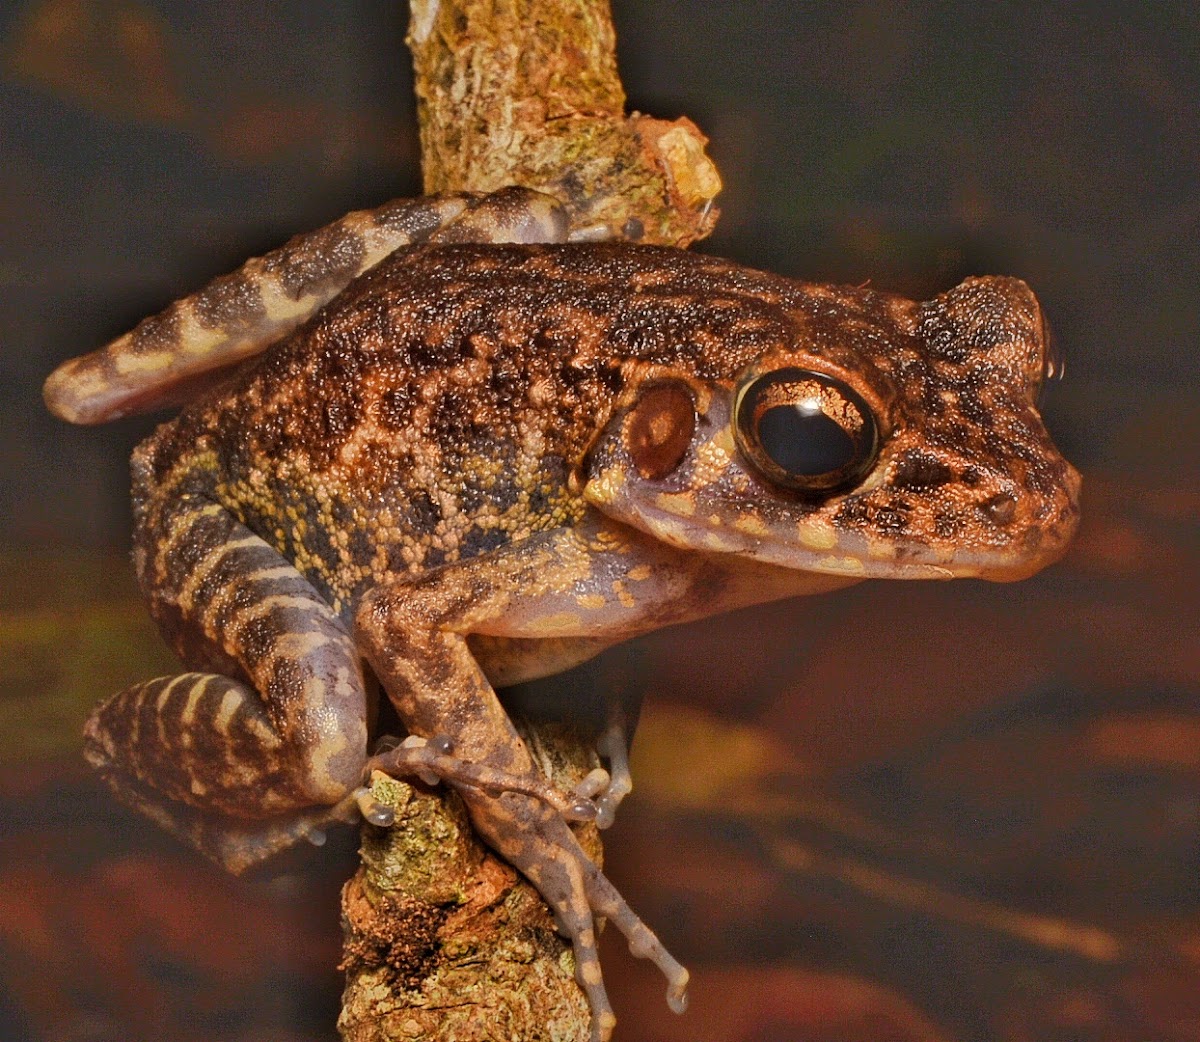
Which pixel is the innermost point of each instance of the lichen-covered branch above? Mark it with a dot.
(526, 92)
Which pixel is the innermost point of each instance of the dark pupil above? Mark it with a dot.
(808, 443)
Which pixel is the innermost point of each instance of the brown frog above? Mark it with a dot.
(448, 448)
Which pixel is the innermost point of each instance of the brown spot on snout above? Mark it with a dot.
(919, 470)
(659, 430)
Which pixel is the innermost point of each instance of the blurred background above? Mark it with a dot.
(956, 812)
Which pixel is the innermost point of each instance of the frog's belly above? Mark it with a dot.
(514, 660)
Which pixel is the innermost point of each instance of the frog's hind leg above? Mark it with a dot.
(167, 357)
(273, 726)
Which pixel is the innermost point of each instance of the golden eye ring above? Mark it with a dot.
(805, 431)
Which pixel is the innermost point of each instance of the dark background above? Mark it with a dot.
(899, 812)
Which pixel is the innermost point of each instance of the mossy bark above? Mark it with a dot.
(526, 92)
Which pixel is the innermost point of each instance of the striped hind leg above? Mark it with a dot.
(167, 357)
(247, 755)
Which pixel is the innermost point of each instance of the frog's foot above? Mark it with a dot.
(238, 848)
(236, 845)
(595, 798)
(534, 835)
(431, 761)
(539, 843)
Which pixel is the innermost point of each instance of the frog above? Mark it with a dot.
(453, 444)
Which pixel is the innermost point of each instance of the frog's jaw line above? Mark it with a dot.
(687, 533)
(847, 555)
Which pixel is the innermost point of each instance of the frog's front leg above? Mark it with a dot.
(507, 661)
(235, 757)
(414, 633)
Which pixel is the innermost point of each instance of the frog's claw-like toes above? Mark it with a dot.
(603, 790)
(431, 761)
(613, 746)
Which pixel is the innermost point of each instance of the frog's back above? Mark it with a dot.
(436, 408)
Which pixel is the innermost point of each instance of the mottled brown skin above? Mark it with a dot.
(483, 463)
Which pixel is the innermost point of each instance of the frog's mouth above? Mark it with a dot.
(960, 533)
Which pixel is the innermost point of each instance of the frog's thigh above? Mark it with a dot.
(293, 737)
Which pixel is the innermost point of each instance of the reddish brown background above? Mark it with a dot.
(903, 812)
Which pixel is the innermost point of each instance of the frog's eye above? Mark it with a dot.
(805, 431)
(659, 429)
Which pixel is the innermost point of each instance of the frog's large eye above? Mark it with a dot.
(805, 431)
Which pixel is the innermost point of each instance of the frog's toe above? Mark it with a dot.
(602, 791)
(606, 901)
(603, 1025)
(589, 797)
(373, 811)
(431, 761)
(581, 809)
(677, 996)
(607, 804)
(613, 745)
(594, 783)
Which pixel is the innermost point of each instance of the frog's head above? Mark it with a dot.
(883, 438)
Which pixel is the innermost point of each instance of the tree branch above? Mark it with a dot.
(526, 92)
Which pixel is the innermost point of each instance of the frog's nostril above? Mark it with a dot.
(1000, 509)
